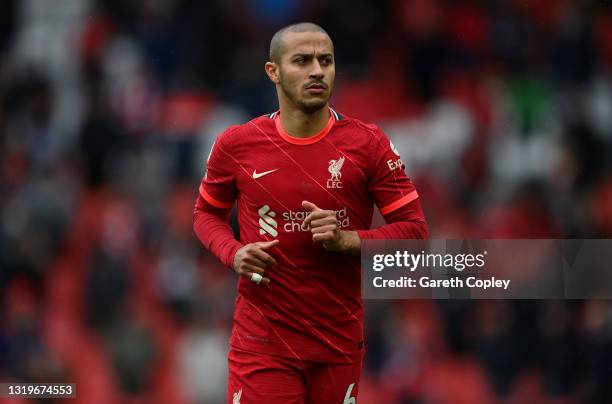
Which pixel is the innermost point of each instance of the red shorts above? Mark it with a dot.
(256, 378)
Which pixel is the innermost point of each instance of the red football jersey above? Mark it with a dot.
(312, 308)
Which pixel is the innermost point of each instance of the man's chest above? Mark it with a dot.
(324, 173)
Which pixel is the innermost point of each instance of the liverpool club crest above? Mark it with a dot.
(334, 168)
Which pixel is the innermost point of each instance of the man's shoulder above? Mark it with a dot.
(369, 131)
(235, 133)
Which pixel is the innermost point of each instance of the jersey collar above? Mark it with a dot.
(333, 117)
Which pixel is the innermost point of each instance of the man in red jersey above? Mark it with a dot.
(305, 179)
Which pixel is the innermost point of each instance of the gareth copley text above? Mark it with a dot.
(455, 282)
(412, 261)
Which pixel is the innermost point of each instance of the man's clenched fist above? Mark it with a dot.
(324, 228)
(252, 258)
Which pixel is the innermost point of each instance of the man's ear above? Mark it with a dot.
(272, 72)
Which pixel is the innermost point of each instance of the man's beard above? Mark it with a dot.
(307, 106)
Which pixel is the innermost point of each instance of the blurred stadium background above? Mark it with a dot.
(502, 111)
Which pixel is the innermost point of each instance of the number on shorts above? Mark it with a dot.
(347, 398)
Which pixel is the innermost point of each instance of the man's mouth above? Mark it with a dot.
(316, 88)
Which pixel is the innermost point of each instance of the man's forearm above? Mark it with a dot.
(215, 233)
(407, 222)
(350, 241)
(397, 230)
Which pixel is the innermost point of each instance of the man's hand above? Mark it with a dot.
(324, 228)
(252, 258)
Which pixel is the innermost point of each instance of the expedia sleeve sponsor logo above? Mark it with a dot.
(394, 164)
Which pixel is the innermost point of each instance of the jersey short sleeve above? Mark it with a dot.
(218, 187)
(388, 183)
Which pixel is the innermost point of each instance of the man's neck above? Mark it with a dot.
(300, 124)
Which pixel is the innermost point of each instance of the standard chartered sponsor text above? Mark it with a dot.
(294, 220)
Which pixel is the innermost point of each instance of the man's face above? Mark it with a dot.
(307, 69)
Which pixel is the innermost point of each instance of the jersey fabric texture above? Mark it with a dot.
(312, 309)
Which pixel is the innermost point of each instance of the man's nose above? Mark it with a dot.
(317, 71)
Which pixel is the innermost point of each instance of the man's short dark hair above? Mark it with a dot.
(277, 39)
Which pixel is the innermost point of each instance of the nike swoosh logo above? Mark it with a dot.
(258, 175)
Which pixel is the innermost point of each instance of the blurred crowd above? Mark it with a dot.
(501, 110)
